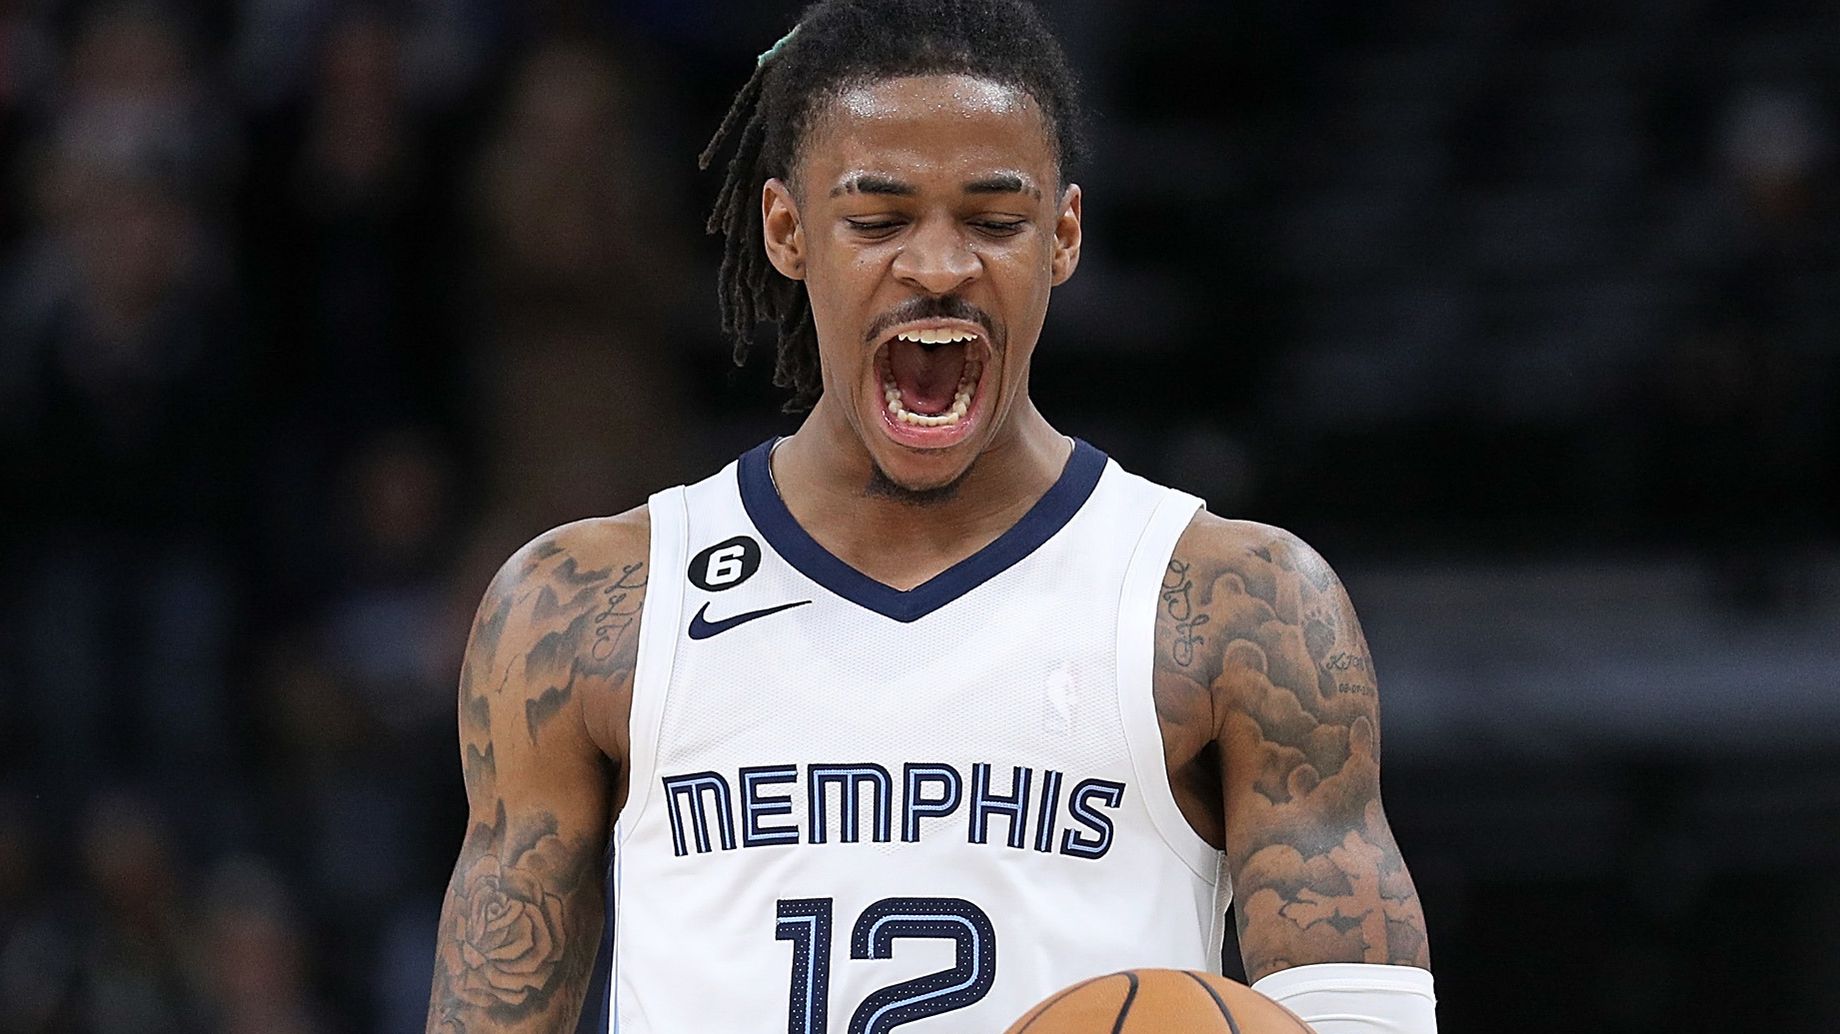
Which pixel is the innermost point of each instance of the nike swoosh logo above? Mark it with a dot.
(701, 629)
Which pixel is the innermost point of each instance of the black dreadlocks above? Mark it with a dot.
(839, 44)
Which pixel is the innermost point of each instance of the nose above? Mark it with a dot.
(936, 259)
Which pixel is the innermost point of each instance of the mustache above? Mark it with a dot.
(944, 307)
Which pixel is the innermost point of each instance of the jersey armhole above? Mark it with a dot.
(660, 617)
(1137, 610)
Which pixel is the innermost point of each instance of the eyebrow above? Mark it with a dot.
(870, 183)
(995, 183)
(1003, 183)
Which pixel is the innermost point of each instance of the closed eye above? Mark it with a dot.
(874, 227)
(1000, 228)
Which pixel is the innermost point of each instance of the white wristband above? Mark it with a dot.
(1356, 997)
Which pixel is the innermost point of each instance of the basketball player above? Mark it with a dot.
(926, 711)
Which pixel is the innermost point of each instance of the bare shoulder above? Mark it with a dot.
(1232, 581)
(579, 549)
(1248, 546)
(1237, 596)
(1254, 624)
(557, 633)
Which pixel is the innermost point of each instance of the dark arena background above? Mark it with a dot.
(1527, 314)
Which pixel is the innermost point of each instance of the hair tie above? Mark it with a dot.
(773, 51)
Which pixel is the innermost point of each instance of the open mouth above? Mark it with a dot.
(929, 377)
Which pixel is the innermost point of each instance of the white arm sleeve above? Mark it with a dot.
(1356, 997)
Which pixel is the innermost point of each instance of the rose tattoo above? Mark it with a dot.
(508, 935)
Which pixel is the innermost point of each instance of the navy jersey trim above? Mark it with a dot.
(605, 976)
(1048, 516)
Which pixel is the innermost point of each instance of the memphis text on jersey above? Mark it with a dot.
(776, 805)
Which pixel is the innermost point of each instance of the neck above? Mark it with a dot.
(832, 487)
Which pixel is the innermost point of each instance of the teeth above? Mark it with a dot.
(935, 337)
(961, 401)
(942, 420)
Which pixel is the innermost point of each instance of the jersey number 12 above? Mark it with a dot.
(806, 922)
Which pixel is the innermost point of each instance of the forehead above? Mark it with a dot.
(916, 125)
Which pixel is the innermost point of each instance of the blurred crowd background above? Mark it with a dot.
(1527, 314)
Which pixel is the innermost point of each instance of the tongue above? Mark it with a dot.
(927, 377)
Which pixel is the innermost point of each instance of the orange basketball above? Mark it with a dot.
(1159, 1001)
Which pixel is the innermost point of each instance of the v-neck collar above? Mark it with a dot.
(1049, 515)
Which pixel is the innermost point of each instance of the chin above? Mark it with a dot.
(934, 485)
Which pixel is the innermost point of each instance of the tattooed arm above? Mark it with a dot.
(1266, 694)
(544, 694)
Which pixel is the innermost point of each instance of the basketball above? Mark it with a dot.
(1159, 1001)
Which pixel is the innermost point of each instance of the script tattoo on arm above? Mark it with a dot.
(521, 921)
(1179, 605)
(1258, 642)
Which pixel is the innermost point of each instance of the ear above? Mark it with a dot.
(1067, 236)
(782, 230)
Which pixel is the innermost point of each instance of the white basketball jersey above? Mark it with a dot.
(857, 809)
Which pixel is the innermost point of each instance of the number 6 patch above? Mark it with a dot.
(725, 564)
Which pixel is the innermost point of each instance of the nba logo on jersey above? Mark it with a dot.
(879, 809)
